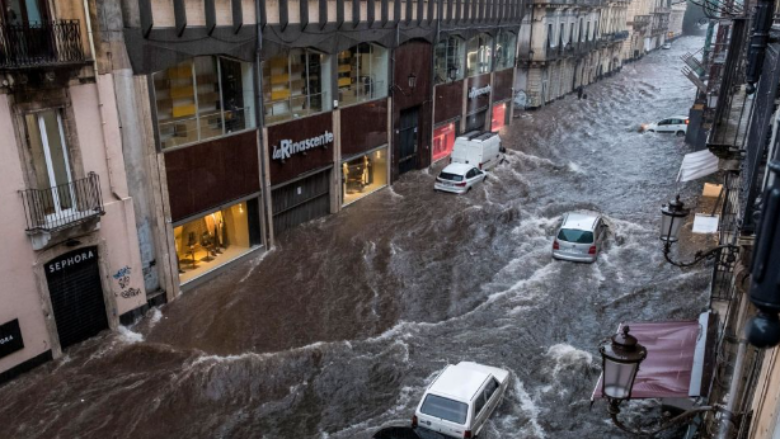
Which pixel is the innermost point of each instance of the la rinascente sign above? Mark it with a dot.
(287, 147)
(476, 92)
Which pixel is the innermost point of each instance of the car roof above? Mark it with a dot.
(457, 168)
(580, 221)
(676, 117)
(459, 382)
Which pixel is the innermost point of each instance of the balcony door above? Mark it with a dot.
(51, 164)
(19, 12)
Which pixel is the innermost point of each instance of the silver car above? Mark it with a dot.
(580, 237)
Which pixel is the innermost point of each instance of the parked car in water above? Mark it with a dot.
(460, 400)
(667, 46)
(482, 150)
(580, 237)
(674, 124)
(458, 178)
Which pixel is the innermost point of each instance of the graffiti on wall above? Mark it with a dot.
(122, 277)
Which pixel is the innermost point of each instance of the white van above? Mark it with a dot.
(481, 150)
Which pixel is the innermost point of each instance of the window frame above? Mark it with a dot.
(384, 90)
(326, 87)
(461, 67)
(248, 121)
(490, 45)
(504, 62)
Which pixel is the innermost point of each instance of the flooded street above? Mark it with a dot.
(336, 332)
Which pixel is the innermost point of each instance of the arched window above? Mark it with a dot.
(506, 46)
(296, 84)
(449, 60)
(480, 54)
(362, 74)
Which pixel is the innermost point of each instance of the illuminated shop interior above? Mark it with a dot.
(498, 120)
(212, 240)
(444, 140)
(363, 175)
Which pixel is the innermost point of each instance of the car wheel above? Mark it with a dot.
(680, 133)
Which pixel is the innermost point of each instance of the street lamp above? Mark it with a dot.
(412, 81)
(620, 359)
(452, 73)
(672, 218)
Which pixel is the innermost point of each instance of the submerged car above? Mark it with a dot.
(674, 124)
(580, 237)
(667, 46)
(460, 400)
(458, 178)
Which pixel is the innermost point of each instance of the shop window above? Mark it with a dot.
(443, 140)
(498, 120)
(296, 84)
(449, 60)
(363, 175)
(362, 73)
(480, 55)
(506, 46)
(215, 239)
(203, 98)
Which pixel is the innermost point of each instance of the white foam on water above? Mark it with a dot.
(393, 193)
(577, 169)
(255, 263)
(529, 407)
(128, 336)
(566, 356)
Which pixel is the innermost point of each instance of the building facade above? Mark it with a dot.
(255, 117)
(68, 217)
(568, 44)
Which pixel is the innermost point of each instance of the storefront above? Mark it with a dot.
(501, 111)
(444, 139)
(364, 150)
(216, 238)
(499, 116)
(478, 102)
(301, 155)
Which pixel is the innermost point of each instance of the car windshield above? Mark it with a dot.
(576, 236)
(451, 177)
(445, 408)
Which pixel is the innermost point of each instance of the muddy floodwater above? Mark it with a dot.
(336, 331)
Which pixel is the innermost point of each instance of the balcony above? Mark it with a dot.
(620, 36)
(59, 208)
(640, 21)
(40, 45)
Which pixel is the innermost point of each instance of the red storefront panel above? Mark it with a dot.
(443, 140)
(499, 117)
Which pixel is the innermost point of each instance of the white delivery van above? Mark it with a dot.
(481, 150)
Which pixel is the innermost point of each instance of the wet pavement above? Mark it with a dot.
(336, 332)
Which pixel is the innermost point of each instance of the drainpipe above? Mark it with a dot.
(260, 111)
(727, 419)
(109, 164)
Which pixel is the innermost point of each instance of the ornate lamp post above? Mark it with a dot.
(621, 357)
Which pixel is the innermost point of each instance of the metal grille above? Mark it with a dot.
(63, 206)
(40, 44)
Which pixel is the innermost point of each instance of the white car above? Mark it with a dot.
(458, 178)
(460, 400)
(674, 124)
(667, 46)
(580, 237)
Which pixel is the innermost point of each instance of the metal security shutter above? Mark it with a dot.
(301, 201)
(76, 296)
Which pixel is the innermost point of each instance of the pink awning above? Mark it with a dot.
(676, 353)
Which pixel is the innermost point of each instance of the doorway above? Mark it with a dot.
(76, 295)
(50, 162)
(408, 140)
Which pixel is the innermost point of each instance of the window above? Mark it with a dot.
(506, 46)
(50, 160)
(216, 238)
(491, 387)
(479, 403)
(450, 56)
(571, 33)
(443, 140)
(450, 177)
(587, 32)
(479, 54)
(576, 236)
(560, 35)
(362, 73)
(363, 175)
(445, 408)
(203, 98)
(296, 84)
(550, 35)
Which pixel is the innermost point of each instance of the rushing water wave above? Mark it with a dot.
(336, 332)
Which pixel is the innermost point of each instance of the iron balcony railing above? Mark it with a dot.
(31, 45)
(620, 36)
(63, 206)
(641, 20)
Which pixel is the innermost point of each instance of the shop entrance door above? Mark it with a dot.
(76, 295)
(476, 121)
(407, 140)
